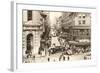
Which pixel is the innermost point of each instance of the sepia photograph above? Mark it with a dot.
(55, 36)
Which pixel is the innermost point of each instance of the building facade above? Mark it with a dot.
(82, 27)
(32, 29)
(77, 26)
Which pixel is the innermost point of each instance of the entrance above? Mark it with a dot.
(29, 43)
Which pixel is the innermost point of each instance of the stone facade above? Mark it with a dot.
(32, 30)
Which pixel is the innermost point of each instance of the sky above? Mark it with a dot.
(53, 16)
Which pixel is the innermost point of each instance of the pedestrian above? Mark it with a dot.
(34, 57)
(68, 58)
(60, 57)
(48, 59)
(84, 57)
(54, 60)
(63, 58)
(49, 52)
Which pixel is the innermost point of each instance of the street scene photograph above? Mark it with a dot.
(55, 36)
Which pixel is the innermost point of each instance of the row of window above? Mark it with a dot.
(29, 16)
(81, 32)
(82, 22)
(82, 16)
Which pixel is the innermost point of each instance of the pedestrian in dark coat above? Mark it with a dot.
(68, 58)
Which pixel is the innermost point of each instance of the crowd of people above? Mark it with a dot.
(68, 48)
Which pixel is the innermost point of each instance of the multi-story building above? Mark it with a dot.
(32, 29)
(67, 21)
(82, 27)
(78, 26)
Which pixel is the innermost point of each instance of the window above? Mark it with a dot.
(83, 21)
(81, 31)
(79, 22)
(29, 14)
(83, 16)
(87, 34)
(79, 16)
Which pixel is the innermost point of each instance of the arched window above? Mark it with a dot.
(29, 42)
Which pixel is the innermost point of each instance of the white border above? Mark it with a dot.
(17, 34)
